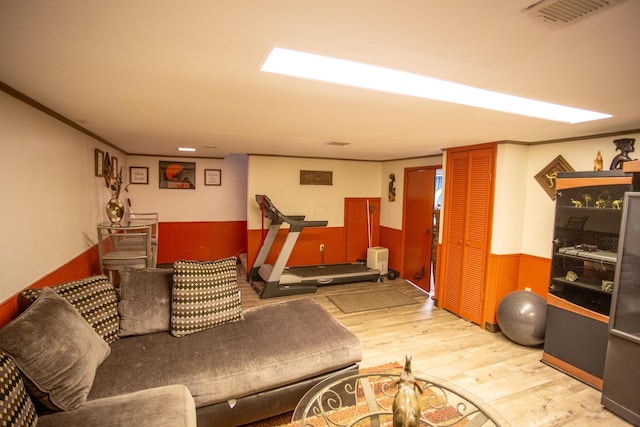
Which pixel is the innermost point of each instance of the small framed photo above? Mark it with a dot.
(138, 175)
(212, 177)
(99, 162)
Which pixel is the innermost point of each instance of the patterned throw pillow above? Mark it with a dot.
(205, 294)
(96, 300)
(16, 407)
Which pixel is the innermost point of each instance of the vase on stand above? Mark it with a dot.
(115, 210)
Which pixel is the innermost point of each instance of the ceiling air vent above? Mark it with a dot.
(560, 13)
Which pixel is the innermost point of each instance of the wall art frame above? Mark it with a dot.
(177, 175)
(114, 166)
(548, 175)
(99, 162)
(138, 175)
(212, 177)
(308, 177)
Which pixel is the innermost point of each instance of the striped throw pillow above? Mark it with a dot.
(204, 295)
(96, 300)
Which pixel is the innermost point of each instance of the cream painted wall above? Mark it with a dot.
(391, 212)
(509, 198)
(52, 200)
(279, 178)
(204, 203)
(537, 231)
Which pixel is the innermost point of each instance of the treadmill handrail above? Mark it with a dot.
(296, 222)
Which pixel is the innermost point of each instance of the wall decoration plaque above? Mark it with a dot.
(549, 174)
(316, 177)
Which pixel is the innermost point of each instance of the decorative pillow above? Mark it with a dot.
(205, 294)
(96, 300)
(145, 300)
(56, 350)
(16, 407)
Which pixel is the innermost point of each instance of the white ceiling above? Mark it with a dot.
(151, 75)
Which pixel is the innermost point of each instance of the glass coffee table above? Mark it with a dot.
(367, 400)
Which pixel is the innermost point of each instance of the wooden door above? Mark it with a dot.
(418, 225)
(468, 208)
(362, 226)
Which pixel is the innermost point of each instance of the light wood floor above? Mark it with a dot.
(507, 376)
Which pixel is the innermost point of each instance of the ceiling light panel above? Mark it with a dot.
(340, 71)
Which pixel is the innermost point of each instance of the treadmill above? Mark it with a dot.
(279, 280)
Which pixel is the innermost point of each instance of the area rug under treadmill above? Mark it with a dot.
(374, 300)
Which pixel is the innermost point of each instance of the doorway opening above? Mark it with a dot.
(421, 221)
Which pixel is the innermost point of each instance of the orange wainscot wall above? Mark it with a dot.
(307, 248)
(177, 240)
(513, 272)
(201, 240)
(391, 239)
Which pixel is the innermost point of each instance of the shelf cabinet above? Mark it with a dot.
(584, 258)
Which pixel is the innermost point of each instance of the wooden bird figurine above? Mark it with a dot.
(406, 404)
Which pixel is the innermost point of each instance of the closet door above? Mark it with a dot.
(455, 204)
(468, 204)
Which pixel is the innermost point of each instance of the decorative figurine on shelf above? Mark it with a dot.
(406, 404)
(587, 199)
(576, 203)
(601, 203)
(625, 146)
(571, 276)
(617, 204)
(392, 188)
(597, 162)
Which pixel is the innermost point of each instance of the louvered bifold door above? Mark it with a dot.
(467, 239)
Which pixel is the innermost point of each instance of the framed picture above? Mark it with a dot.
(99, 162)
(549, 174)
(212, 177)
(316, 177)
(138, 175)
(178, 175)
(114, 166)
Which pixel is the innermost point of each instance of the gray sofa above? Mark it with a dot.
(256, 365)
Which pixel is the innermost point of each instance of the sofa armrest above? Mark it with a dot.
(170, 406)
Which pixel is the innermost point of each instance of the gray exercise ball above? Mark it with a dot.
(522, 317)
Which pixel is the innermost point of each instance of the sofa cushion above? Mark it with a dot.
(205, 294)
(163, 406)
(16, 407)
(276, 344)
(56, 350)
(96, 300)
(145, 300)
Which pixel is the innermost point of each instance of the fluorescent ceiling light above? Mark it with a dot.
(186, 149)
(334, 70)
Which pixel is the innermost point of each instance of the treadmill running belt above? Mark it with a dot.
(328, 269)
